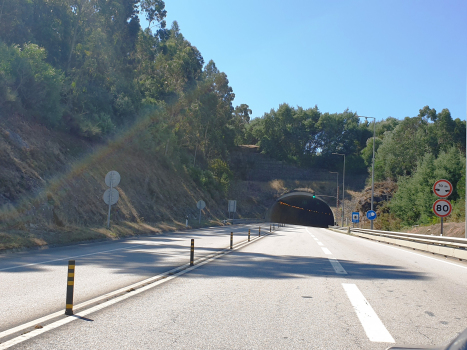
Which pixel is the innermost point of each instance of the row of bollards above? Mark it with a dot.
(71, 268)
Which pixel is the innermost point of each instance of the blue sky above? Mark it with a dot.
(377, 58)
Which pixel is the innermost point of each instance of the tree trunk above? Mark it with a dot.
(205, 140)
(75, 33)
(1, 10)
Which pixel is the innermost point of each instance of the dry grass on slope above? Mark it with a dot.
(51, 187)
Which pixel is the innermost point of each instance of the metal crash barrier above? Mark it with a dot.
(447, 246)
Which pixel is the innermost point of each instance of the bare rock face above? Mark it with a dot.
(383, 193)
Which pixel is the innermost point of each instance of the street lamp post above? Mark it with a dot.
(337, 186)
(343, 188)
(372, 165)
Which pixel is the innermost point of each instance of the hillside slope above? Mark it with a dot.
(51, 187)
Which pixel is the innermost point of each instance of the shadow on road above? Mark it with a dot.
(264, 266)
(153, 255)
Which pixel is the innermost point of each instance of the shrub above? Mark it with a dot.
(27, 82)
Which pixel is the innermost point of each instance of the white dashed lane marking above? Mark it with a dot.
(374, 328)
(372, 325)
(337, 266)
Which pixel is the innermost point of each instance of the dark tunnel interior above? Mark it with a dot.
(301, 209)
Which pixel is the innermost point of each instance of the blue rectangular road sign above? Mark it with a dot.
(355, 217)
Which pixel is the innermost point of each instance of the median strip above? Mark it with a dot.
(116, 296)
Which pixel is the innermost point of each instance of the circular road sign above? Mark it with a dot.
(111, 196)
(442, 188)
(201, 205)
(371, 214)
(442, 208)
(112, 179)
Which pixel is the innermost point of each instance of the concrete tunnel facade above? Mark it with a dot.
(300, 208)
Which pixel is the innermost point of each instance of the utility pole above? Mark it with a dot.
(372, 165)
(337, 186)
(343, 188)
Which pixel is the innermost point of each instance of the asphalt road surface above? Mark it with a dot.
(33, 283)
(299, 288)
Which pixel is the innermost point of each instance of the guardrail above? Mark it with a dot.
(244, 221)
(447, 246)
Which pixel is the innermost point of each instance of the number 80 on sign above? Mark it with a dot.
(442, 208)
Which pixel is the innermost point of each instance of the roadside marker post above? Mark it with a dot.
(270, 228)
(231, 240)
(70, 287)
(200, 205)
(192, 252)
(259, 232)
(248, 235)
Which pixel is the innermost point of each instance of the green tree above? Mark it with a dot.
(29, 84)
(413, 201)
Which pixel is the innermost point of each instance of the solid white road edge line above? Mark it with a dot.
(370, 321)
(69, 319)
(337, 266)
(83, 313)
(326, 250)
(311, 234)
(408, 251)
(68, 258)
(95, 253)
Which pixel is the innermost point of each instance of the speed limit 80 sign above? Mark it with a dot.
(442, 208)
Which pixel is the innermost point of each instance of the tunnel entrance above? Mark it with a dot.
(300, 208)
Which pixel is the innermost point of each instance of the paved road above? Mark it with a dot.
(300, 288)
(33, 283)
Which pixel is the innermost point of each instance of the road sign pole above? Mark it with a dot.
(199, 216)
(373, 169)
(442, 226)
(110, 204)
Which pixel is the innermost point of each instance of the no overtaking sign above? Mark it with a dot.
(442, 207)
(442, 188)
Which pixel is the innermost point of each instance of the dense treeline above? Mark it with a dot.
(413, 152)
(89, 68)
(308, 137)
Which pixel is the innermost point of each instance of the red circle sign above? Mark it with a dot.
(442, 188)
(442, 208)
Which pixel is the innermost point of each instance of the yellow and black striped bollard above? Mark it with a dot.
(259, 232)
(231, 240)
(248, 235)
(192, 252)
(69, 288)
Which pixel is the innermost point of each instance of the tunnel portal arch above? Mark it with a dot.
(300, 208)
